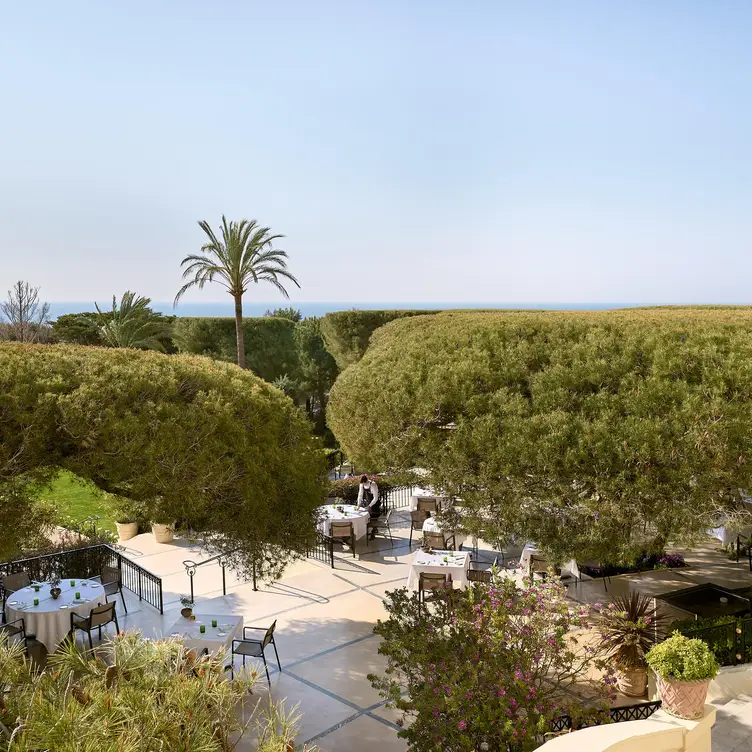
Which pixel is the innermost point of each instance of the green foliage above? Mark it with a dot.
(25, 520)
(269, 342)
(347, 333)
(488, 667)
(136, 695)
(597, 434)
(223, 451)
(728, 637)
(293, 314)
(347, 488)
(79, 328)
(681, 658)
(133, 324)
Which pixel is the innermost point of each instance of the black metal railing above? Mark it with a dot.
(192, 566)
(739, 539)
(637, 712)
(89, 561)
(322, 549)
(730, 643)
(397, 498)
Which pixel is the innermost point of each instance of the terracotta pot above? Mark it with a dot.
(127, 530)
(186, 612)
(162, 533)
(632, 682)
(683, 699)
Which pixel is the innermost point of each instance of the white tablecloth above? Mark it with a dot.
(457, 563)
(51, 620)
(359, 518)
(531, 548)
(727, 535)
(229, 628)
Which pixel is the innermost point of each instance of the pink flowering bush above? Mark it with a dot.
(489, 667)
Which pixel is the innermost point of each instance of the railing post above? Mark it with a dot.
(224, 583)
(140, 597)
(254, 575)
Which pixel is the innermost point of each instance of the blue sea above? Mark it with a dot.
(251, 308)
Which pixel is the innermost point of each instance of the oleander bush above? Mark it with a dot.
(135, 695)
(596, 434)
(212, 445)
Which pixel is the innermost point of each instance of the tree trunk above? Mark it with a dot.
(239, 330)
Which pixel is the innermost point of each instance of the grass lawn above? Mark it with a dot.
(77, 500)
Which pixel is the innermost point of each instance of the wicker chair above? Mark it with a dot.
(439, 541)
(343, 531)
(254, 648)
(382, 523)
(99, 616)
(429, 582)
(417, 518)
(427, 505)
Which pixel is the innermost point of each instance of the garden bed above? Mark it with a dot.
(644, 563)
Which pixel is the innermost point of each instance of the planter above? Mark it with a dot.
(632, 682)
(127, 530)
(186, 613)
(55, 593)
(162, 533)
(683, 699)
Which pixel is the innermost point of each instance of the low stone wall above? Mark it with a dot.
(659, 733)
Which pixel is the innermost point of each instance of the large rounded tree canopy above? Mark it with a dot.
(197, 440)
(594, 433)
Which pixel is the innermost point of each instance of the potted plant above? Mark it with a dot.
(128, 514)
(684, 668)
(187, 604)
(55, 588)
(629, 626)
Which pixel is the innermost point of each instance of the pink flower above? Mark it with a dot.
(462, 725)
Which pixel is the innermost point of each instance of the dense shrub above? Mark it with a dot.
(269, 342)
(597, 434)
(347, 333)
(202, 441)
(643, 563)
(347, 488)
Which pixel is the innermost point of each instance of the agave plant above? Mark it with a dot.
(135, 694)
(629, 627)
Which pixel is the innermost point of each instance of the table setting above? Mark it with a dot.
(359, 517)
(46, 607)
(456, 563)
(210, 631)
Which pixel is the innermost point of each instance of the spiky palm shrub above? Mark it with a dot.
(135, 695)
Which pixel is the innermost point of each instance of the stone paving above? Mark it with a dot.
(325, 622)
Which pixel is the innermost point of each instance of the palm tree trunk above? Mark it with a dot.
(239, 330)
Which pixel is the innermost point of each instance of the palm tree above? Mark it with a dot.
(244, 255)
(132, 324)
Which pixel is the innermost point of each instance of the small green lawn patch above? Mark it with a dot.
(77, 500)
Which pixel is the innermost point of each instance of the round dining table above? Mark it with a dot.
(50, 620)
(359, 517)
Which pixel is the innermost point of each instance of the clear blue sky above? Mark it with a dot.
(410, 150)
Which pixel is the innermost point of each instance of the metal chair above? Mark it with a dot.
(11, 583)
(440, 541)
(417, 518)
(427, 581)
(343, 531)
(480, 575)
(254, 648)
(538, 565)
(99, 617)
(427, 505)
(381, 523)
(112, 581)
(15, 628)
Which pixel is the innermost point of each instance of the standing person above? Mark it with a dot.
(368, 496)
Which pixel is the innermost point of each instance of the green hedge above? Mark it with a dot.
(270, 346)
(728, 637)
(347, 333)
(347, 488)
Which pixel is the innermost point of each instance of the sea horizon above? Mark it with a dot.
(253, 308)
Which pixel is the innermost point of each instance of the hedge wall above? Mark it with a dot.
(347, 333)
(597, 434)
(270, 346)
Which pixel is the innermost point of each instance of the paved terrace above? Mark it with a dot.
(325, 622)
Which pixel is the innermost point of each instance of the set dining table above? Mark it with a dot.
(455, 563)
(50, 618)
(219, 632)
(359, 516)
(531, 549)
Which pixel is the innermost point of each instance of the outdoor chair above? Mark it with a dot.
(427, 581)
(380, 524)
(98, 617)
(343, 531)
(439, 541)
(427, 505)
(417, 519)
(112, 582)
(15, 628)
(538, 565)
(13, 582)
(254, 648)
